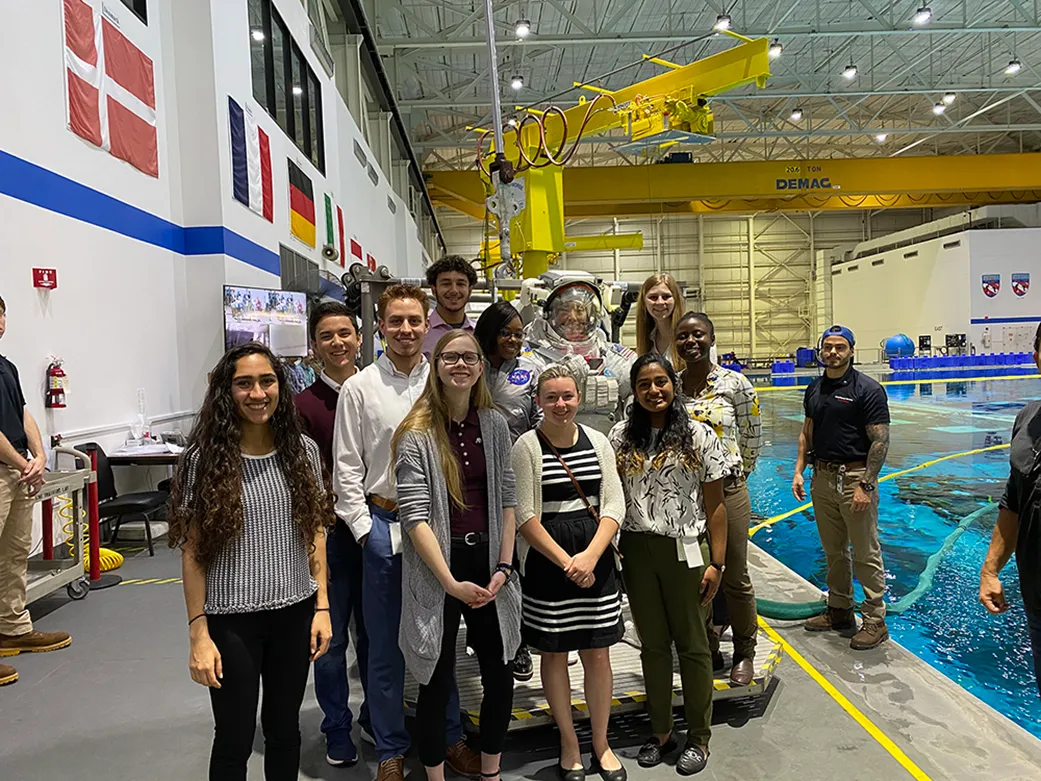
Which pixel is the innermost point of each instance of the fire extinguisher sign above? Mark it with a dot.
(46, 278)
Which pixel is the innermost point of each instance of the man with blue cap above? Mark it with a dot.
(846, 437)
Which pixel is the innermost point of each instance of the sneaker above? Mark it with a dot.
(463, 760)
(341, 751)
(33, 642)
(871, 635)
(392, 769)
(523, 669)
(834, 618)
(366, 735)
(693, 760)
(7, 674)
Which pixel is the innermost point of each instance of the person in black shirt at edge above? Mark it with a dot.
(1018, 526)
(847, 424)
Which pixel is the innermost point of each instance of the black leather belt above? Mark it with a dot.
(470, 539)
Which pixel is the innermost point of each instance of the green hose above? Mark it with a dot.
(797, 611)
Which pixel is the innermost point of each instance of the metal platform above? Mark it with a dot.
(530, 708)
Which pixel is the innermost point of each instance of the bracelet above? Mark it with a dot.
(193, 620)
(506, 569)
(319, 609)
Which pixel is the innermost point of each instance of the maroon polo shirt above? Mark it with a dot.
(317, 408)
(469, 451)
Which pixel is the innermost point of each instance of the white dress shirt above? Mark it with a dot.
(372, 404)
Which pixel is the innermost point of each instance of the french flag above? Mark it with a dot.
(250, 162)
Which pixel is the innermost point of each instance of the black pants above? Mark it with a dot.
(468, 563)
(1034, 626)
(273, 646)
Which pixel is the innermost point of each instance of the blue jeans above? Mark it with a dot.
(1034, 626)
(381, 604)
(331, 685)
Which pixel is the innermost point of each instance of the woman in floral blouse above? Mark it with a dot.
(727, 402)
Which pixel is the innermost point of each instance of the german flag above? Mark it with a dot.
(301, 206)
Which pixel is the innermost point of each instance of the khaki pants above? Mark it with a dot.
(839, 528)
(16, 539)
(664, 595)
(737, 585)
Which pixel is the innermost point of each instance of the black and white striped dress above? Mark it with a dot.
(558, 614)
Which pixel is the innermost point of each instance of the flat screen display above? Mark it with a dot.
(276, 318)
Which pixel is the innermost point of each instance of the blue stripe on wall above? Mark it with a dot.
(999, 320)
(34, 184)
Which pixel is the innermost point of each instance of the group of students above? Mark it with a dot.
(455, 485)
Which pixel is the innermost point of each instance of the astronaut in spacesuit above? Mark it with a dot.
(568, 330)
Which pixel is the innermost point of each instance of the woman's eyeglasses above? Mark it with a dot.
(506, 334)
(451, 359)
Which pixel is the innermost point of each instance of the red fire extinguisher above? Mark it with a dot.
(55, 385)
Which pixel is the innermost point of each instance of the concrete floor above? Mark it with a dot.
(119, 705)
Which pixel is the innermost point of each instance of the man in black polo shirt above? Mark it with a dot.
(1019, 525)
(846, 437)
(22, 465)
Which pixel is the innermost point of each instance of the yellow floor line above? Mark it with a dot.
(767, 388)
(858, 716)
(890, 476)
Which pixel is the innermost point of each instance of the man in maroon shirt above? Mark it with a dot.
(335, 339)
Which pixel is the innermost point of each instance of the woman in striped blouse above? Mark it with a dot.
(249, 508)
(569, 502)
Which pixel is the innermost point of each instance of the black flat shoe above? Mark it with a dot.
(692, 760)
(608, 775)
(578, 774)
(652, 753)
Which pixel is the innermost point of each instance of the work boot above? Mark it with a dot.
(834, 618)
(7, 674)
(33, 642)
(871, 635)
(392, 769)
(463, 760)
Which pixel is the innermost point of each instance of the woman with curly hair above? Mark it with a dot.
(673, 544)
(248, 510)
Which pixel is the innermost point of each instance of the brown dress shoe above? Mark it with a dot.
(392, 769)
(463, 761)
(33, 642)
(742, 672)
(871, 635)
(834, 618)
(7, 674)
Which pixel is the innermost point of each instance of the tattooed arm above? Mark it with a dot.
(879, 436)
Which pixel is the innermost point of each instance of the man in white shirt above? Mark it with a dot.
(452, 279)
(371, 406)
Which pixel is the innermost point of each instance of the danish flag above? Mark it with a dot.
(111, 88)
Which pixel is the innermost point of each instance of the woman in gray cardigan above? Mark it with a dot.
(455, 490)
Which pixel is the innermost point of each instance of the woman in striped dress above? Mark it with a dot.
(569, 500)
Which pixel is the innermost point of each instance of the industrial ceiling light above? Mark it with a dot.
(1014, 67)
(850, 71)
(923, 15)
(517, 82)
(881, 137)
(722, 22)
(939, 108)
(949, 97)
(298, 90)
(522, 28)
(796, 114)
(258, 34)
(775, 49)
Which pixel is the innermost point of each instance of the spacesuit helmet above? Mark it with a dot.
(573, 311)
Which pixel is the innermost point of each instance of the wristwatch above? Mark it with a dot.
(869, 487)
(721, 567)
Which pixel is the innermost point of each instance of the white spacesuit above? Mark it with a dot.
(568, 330)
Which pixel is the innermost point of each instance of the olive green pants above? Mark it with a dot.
(664, 597)
(736, 585)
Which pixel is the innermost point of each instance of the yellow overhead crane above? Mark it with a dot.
(661, 111)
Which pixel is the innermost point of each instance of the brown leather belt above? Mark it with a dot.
(384, 504)
(835, 466)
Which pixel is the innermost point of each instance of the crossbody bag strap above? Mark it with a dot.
(581, 493)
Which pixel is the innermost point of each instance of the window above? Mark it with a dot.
(283, 82)
(139, 7)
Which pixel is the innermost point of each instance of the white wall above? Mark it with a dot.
(1010, 320)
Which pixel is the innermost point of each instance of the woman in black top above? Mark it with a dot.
(248, 510)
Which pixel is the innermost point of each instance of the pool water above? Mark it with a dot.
(988, 655)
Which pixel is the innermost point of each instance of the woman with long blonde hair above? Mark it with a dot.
(456, 500)
(659, 309)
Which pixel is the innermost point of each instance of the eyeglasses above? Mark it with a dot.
(451, 359)
(506, 333)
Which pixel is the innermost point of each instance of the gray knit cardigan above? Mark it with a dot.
(423, 497)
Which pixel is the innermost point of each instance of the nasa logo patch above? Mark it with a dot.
(519, 377)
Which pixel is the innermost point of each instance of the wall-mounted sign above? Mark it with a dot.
(46, 278)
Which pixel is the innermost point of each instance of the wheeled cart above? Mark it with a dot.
(48, 572)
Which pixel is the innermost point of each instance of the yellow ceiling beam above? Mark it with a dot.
(863, 183)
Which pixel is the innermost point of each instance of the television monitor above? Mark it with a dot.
(276, 318)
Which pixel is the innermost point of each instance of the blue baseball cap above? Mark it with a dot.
(839, 330)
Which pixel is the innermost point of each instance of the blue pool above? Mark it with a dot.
(988, 655)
